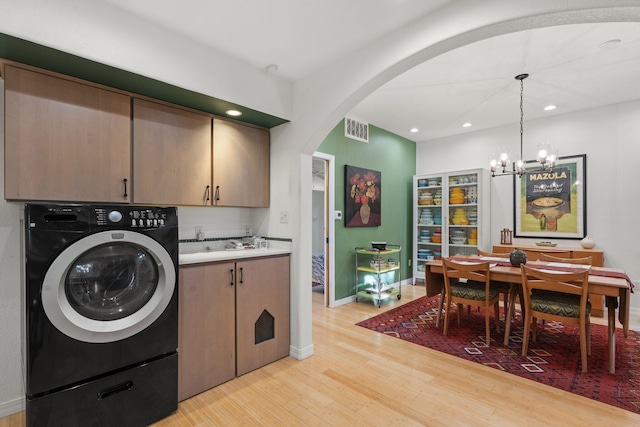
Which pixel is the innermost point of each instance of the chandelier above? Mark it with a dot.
(546, 158)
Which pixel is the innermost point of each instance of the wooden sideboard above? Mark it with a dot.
(533, 253)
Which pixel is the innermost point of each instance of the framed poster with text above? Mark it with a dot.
(552, 204)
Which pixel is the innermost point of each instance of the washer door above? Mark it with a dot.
(108, 286)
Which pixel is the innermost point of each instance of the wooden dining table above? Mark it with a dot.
(609, 282)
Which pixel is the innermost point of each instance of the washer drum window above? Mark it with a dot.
(108, 286)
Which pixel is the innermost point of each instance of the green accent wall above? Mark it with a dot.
(29, 53)
(393, 156)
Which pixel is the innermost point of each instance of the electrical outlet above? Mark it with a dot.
(409, 262)
(284, 217)
(247, 230)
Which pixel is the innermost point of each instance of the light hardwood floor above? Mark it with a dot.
(358, 377)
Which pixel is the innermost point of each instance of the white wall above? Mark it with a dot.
(11, 387)
(609, 136)
(217, 221)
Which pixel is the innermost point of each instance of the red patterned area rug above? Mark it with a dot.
(554, 359)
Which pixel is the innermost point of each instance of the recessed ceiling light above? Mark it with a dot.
(550, 107)
(610, 44)
(233, 113)
(466, 125)
(413, 130)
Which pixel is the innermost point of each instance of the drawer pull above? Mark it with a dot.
(110, 391)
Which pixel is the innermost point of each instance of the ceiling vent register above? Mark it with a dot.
(356, 129)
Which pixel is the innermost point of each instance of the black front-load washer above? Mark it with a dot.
(101, 314)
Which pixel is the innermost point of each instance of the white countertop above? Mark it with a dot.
(226, 255)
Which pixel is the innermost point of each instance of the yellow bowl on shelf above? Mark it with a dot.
(473, 241)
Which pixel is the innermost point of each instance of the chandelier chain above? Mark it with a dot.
(521, 116)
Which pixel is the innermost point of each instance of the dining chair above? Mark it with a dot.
(560, 297)
(588, 260)
(503, 287)
(557, 254)
(493, 254)
(469, 283)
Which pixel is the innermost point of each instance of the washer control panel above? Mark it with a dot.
(131, 217)
(146, 218)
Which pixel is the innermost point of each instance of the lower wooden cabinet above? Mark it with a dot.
(262, 312)
(233, 318)
(206, 332)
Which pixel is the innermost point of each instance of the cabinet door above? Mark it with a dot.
(171, 155)
(206, 331)
(468, 200)
(64, 140)
(428, 217)
(240, 165)
(262, 312)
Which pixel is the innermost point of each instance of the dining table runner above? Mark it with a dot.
(569, 268)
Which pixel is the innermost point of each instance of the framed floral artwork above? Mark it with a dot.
(552, 204)
(362, 197)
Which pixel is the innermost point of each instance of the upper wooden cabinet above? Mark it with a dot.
(240, 165)
(172, 155)
(68, 140)
(64, 140)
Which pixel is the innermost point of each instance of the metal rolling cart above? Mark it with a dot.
(374, 269)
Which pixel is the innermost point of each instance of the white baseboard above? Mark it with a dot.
(343, 301)
(12, 407)
(301, 353)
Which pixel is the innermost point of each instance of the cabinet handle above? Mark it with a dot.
(217, 197)
(206, 192)
(231, 271)
(125, 195)
(241, 275)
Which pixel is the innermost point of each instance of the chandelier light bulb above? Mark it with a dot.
(542, 156)
(504, 159)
